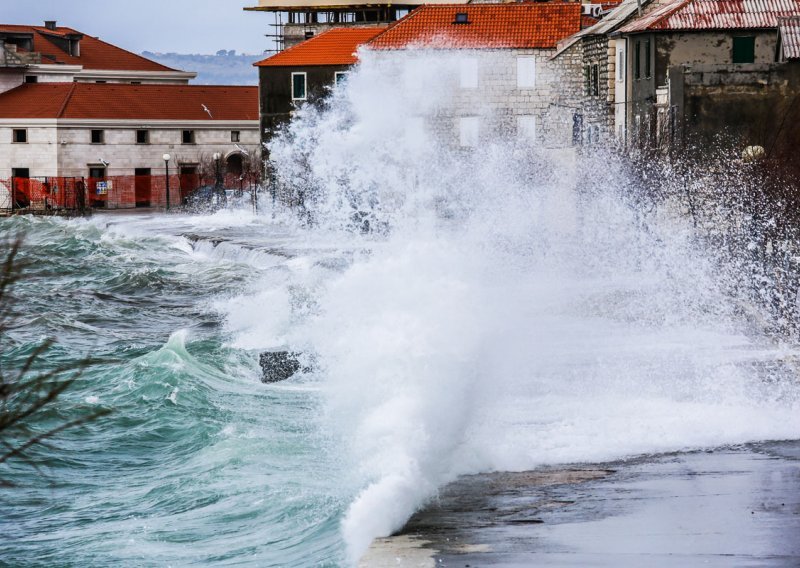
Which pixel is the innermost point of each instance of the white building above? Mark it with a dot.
(99, 131)
(73, 106)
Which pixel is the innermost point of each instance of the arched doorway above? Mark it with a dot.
(233, 164)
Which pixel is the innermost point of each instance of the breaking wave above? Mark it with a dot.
(497, 307)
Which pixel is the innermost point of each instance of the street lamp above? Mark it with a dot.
(217, 176)
(166, 158)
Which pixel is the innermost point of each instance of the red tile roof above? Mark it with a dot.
(129, 102)
(333, 47)
(790, 37)
(491, 26)
(715, 15)
(94, 53)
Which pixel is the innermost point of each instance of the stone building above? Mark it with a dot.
(306, 72)
(500, 67)
(701, 69)
(99, 130)
(299, 20)
(51, 53)
(603, 58)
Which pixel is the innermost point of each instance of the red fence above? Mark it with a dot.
(114, 192)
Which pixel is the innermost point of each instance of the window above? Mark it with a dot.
(31, 79)
(468, 131)
(142, 137)
(340, 77)
(468, 73)
(526, 72)
(647, 69)
(20, 136)
(97, 172)
(188, 137)
(101, 82)
(621, 66)
(235, 136)
(461, 18)
(526, 128)
(577, 129)
(298, 86)
(587, 79)
(593, 134)
(594, 86)
(637, 60)
(744, 49)
(136, 82)
(98, 136)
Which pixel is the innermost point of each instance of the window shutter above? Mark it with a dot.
(526, 72)
(744, 49)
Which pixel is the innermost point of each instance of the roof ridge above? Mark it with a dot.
(66, 101)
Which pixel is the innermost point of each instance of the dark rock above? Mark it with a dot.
(278, 365)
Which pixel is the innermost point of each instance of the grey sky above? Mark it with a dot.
(181, 26)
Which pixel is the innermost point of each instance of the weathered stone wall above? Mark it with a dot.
(749, 107)
(598, 109)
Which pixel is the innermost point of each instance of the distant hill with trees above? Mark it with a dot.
(223, 68)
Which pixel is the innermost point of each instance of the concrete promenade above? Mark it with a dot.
(729, 507)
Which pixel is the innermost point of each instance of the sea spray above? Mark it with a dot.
(509, 306)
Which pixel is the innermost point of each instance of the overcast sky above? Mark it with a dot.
(180, 26)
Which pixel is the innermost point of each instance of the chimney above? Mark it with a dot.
(50, 24)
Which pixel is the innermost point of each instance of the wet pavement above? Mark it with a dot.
(735, 506)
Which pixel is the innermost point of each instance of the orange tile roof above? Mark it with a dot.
(333, 47)
(129, 102)
(95, 53)
(491, 26)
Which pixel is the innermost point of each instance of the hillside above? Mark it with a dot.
(223, 68)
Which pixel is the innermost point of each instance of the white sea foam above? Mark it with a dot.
(494, 317)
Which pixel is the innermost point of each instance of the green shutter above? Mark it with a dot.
(744, 49)
(587, 85)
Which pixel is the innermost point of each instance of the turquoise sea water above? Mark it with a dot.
(199, 463)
